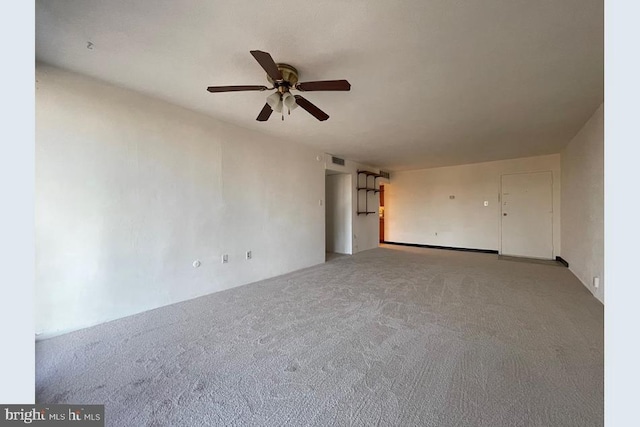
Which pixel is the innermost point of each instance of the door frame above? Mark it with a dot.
(346, 221)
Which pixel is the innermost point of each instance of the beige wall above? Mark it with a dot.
(418, 208)
(583, 203)
(130, 191)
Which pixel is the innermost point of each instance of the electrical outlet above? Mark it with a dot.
(596, 282)
(225, 258)
(249, 255)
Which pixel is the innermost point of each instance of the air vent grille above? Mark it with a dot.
(337, 161)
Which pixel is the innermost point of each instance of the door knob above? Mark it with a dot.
(504, 214)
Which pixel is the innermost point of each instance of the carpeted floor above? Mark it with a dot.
(391, 336)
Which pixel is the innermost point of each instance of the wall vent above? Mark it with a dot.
(384, 174)
(337, 161)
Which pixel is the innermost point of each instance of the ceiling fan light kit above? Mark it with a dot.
(275, 102)
(283, 78)
(289, 101)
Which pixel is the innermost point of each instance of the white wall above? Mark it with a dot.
(417, 203)
(131, 190)
(338, 213)
(583, 203)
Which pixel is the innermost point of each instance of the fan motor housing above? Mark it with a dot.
(289, 75)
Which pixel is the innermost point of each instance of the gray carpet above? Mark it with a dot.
(391, 336)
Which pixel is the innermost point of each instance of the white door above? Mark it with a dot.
(527, 215)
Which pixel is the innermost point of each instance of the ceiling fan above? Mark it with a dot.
(284, 78)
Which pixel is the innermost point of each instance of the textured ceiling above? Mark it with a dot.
(433, 82)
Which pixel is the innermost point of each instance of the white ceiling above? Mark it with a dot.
(433, 82)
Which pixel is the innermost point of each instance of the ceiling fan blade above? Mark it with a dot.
(266, 61)
(215, 89)
(312, 109)
(265, 113)
(324, 85)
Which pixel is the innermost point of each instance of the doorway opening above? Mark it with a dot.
(381, 213)
(338, 214)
